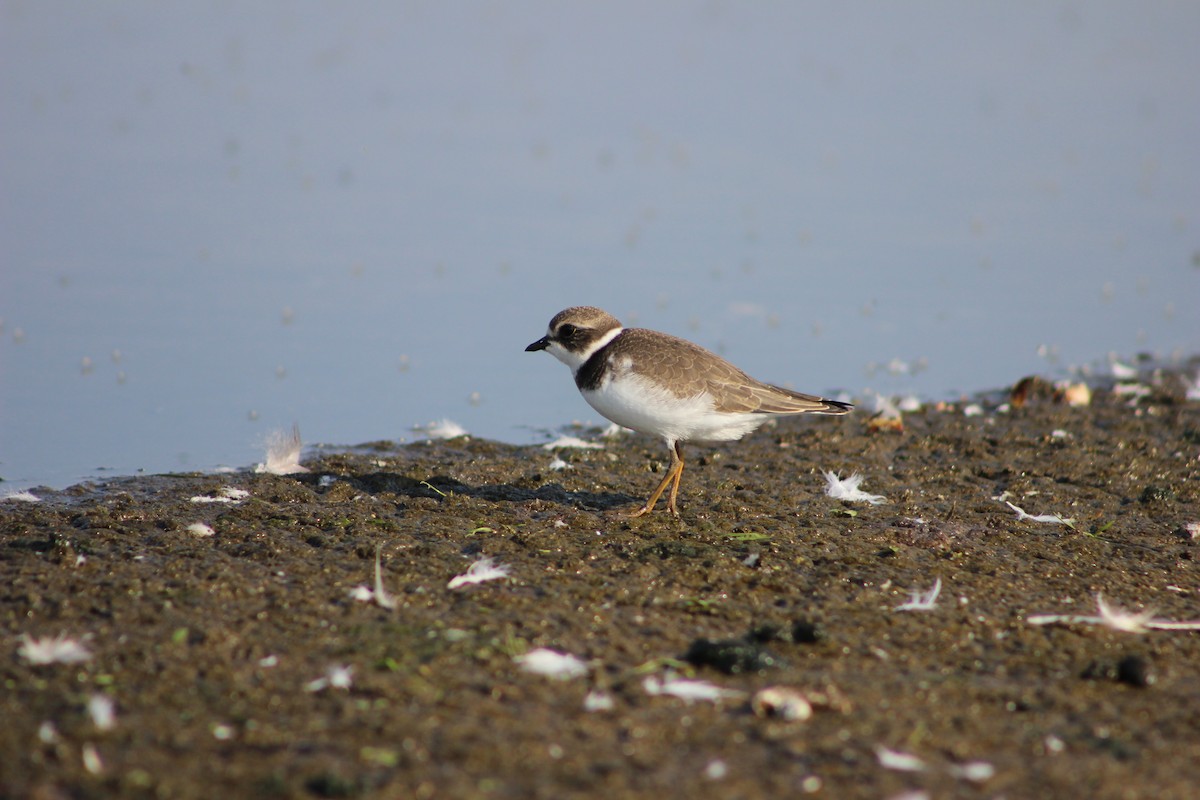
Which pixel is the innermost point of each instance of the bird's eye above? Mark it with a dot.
(567, 331)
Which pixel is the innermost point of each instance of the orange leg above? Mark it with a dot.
(676, 458)
(673, 476)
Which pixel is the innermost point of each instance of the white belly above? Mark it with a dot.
(644, 406)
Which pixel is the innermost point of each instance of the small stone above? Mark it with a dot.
(1099, 671)
(1132, 670)
(730, 657)
(1136, 671)
(1157, 494)
(782, 702)
(806, 631)
(768, 632)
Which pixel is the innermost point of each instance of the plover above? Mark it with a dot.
(666, 386)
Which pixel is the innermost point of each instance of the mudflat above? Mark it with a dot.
(220, 643)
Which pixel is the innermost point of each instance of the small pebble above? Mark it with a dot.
(807, 632)
(730, 657)
(1136, 671)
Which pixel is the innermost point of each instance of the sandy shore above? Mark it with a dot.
(253, 658)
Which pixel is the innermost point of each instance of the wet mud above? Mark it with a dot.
(245, 663)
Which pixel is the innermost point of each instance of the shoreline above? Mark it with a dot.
(1102, 374)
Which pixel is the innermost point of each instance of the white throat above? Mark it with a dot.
(576, 359)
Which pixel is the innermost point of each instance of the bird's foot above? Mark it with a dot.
(644, 510)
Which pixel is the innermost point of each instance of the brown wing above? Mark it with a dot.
(691, 370)
(777, 400)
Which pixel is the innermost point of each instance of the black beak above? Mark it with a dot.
(540, 344)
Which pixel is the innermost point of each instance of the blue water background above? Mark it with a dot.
(217, 219)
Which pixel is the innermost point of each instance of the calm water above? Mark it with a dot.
(219, 219)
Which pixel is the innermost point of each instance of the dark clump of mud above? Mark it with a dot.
(245, 663)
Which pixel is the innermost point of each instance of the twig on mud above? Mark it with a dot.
(922, 601)
(1114, 617)
(1051, 518)
(433, 488)
(103, 712)
(485, 569)
(378, 594)
(21, 497)
(227, 494)
(552, 664)
(336, 676)
(898, 761)
(848, 490)
(441, 429)
(686, 689)
(598, 700)
(283, 453)
(61, 649)
(384, 599)
(572, 442)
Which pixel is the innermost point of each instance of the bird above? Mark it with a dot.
(665, 386)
